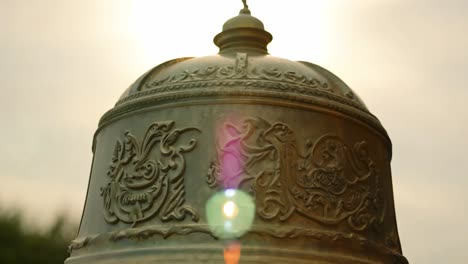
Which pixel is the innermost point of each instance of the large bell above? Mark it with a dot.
(240, 155)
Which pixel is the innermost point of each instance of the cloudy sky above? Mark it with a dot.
(63, 63)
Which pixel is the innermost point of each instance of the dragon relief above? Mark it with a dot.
(330, 183)
(147, 176)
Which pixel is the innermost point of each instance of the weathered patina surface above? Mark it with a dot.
(296, 138)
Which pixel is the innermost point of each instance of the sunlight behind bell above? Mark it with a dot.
(152, 37)
(177, 37)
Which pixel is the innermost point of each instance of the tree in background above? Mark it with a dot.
(24, 244)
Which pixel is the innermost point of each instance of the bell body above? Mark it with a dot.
(291, 135)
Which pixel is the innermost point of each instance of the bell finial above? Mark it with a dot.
(243, 32)
(245, 10)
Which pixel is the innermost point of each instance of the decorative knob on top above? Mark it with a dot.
(243, 32)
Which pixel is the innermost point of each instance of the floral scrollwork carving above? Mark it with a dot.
(330, 182)
(239, 70)
(231, 72)
(147, 176)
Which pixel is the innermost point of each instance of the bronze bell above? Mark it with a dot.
(240, 156)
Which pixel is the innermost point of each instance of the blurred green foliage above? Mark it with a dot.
(25, 243)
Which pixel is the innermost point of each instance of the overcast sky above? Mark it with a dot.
(63, 63)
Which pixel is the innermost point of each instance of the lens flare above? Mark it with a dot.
(230, 213)
(230, 192)
(232, 253)
(230, 209)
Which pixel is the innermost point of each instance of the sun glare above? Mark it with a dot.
(230, 209)
(300, 30)
(168, 30)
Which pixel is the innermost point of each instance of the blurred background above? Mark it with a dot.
(64, 63)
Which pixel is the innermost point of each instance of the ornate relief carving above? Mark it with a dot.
(79, 243)
(270, 91)
(237, 71)
(330, 183)
(147, 176)
(165, 232)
